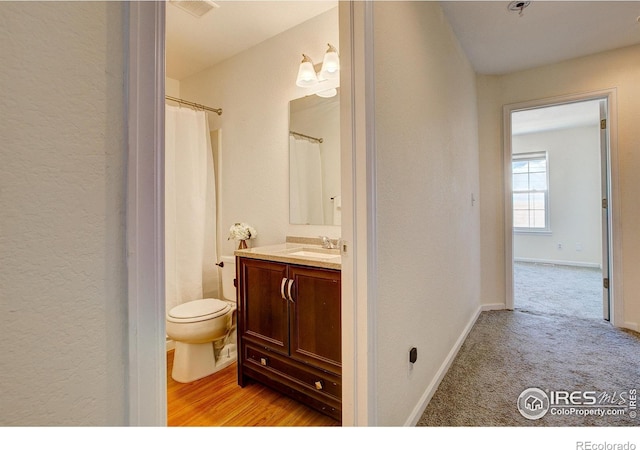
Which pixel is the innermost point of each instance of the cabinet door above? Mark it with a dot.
(315, 317)
(263, 313)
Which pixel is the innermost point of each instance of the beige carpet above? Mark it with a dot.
(559, 290)
(507, 352)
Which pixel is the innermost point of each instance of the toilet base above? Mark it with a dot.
(194, 361)
(227, 356)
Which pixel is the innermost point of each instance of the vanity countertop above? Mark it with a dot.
(295, 253)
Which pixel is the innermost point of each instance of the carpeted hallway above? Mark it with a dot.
(555, 340)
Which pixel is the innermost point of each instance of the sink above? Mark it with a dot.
(312, 254)
(320, 253)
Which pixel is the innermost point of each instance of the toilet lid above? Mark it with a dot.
(198, 310)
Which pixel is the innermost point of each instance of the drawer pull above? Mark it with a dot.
(264, 361)
(319, 385)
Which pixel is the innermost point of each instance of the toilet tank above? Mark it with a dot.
(228, 275)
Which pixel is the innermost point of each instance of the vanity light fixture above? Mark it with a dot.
(306, 73)
(329, 73)
(330, 64)
(328, 93)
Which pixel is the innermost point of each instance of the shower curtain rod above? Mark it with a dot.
(194, 105)
(319, 140)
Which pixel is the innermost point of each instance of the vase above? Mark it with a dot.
(242, 244)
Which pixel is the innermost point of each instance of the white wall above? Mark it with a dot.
(254, 89)
(172, 87)
(62, 178)
(428, 240)
(619, 69)
(575, 210)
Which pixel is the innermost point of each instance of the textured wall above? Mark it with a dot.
(63, 276)
(428, 240)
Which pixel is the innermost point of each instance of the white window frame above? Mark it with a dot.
(547, 222)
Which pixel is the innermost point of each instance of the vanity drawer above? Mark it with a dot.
(313, 380)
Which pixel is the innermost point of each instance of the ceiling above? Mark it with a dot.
(496, 40)
(499, 41)
(194, 44)
(586, 113)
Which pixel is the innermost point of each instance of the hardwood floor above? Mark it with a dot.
(217, 400)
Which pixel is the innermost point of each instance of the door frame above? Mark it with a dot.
(603, 106)
(147, 373)
(612, 183)
(145, 91)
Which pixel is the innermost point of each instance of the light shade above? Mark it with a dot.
(328, 93)
(306, 73)
(330, 64)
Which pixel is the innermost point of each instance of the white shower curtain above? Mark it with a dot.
(305, 167)
(190, 208)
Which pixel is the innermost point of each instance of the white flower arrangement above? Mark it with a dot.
(242, 232)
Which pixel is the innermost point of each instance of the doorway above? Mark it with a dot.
(557, 181)
(145, 227)
(253, 122)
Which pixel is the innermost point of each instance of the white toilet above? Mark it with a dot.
(204, 331)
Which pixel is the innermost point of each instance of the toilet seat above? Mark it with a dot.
(198, 311)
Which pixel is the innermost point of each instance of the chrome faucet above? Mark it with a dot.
(327, 243)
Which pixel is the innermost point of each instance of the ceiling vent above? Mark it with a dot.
(197, 8)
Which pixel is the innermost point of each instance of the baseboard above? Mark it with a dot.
(433, 386)
(631, 326)
(559, 262)
(493, 307)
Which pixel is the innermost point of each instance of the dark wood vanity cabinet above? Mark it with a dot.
(289, 331)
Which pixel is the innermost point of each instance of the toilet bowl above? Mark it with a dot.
(204, 333)
(199, 329)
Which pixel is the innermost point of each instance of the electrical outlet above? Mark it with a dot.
(559, 246)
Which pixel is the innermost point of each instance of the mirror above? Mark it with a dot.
(314, 161)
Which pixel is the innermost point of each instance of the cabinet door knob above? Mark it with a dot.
(319, 385)
(264, 361)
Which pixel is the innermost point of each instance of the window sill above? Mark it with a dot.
(533, 232)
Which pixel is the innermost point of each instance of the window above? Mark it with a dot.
(530, 191)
